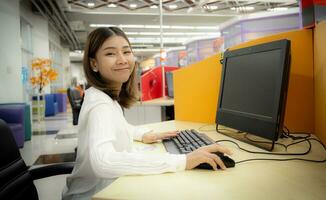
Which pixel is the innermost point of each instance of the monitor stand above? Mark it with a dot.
(247, 138)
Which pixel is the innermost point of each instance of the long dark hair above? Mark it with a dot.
(128, 93)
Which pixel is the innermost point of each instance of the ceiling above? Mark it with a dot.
(183, 20)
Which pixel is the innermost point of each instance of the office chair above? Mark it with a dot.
(16, 179)
(76, 101)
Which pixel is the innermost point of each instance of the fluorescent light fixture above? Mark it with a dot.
(133, 5)
(278, 9)
(131, 33)
(182, 27)
(248, 8)
(154, 6)
(152, 26)
(173, 6)
(173, 33)
(213, 7)
(112, 5)
(207, 27)
(243, 8)
(141, 45)
(131, 26)
(90, 4)
(136, 26)
(149, 33)
(147, 50)
(101, 25)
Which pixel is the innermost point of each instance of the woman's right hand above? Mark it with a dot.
(205, 155)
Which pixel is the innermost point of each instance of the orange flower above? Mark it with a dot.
(43, 72)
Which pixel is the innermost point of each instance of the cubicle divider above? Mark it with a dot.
(320, 79)
(197, 86)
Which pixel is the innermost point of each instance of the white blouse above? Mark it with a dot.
(105, 149)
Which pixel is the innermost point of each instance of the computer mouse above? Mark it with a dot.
(228, 162)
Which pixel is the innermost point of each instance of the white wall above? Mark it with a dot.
(77, 71)
(40, 34)
(11, 87)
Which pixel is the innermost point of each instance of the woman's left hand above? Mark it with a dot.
(149, 138)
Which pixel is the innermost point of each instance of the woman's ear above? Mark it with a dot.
(93, 64)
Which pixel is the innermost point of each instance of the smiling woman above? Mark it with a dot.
(109, 64)
(105, 139)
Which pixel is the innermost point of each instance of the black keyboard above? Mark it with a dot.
(186, 142)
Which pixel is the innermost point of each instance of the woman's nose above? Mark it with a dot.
(121, 59)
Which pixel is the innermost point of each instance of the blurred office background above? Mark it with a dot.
(56, 30)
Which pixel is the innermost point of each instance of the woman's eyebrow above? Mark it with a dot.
(124, 47)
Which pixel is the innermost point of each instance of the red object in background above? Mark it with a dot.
(151, 83)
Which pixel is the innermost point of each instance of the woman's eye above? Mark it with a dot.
(110, 54)
(127, 52)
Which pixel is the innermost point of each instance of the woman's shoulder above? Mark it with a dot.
(95, 94)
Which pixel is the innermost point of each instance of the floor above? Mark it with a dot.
(52, 137)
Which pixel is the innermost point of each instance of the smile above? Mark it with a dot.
(121, 69)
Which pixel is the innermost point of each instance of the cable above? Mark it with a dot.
(276, 159)
(263, 142)
(270, 153)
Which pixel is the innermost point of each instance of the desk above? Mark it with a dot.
(151, 111)
(251, 180)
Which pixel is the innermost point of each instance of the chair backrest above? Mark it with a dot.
(75, 99)
(15, 179)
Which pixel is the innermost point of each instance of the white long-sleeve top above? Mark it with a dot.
(105, 149)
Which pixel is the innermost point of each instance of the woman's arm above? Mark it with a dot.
(107, 161)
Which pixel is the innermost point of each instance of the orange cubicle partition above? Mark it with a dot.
(320, 80)
(196, 87)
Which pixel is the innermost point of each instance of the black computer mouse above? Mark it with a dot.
(228, 162)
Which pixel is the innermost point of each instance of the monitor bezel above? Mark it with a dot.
(257, 125)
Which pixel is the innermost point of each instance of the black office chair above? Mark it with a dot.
(76, 101)
(16, 179)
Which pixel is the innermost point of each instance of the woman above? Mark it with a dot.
(105, 138)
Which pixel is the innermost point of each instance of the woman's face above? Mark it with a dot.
(114, 61)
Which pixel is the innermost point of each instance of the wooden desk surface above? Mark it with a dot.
(250, 180)
(163, 101)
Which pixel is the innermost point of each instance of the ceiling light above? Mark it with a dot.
(90, 4)
(207, 27)
(101, 25)
(173, 6)
(154, 6)
(278, 9)
(112, 5)
(182, 27)
(149, 33)
(212, 7)
(173, 33)
(133, 5)
(131, 33)
(142, 45)
(243, 8)
(131, 26)
(152, 26)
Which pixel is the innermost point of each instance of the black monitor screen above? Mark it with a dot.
(242, 77)
(253, 86)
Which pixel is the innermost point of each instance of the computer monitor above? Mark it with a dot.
(253, 92)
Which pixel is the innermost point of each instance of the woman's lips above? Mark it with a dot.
(121, 69)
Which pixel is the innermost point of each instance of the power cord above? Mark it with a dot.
(286, 133)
